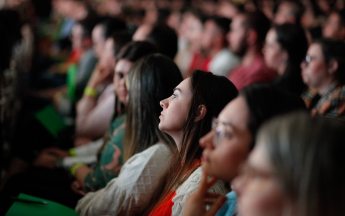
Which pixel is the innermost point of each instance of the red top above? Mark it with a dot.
(257, 72)
(165, 208)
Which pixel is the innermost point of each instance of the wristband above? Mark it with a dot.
(75, 167)
(90, 92)
(72, 152)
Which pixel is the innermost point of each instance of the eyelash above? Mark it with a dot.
(174, 96)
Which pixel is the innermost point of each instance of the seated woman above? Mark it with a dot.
(146, 148)
(323, 72)
(187, 116)
(227, 146)
(297, 168)
(110, 158)
(285, 49)
(94, 111)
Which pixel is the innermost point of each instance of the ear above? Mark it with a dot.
(252, 37)
(333, 66)
(202, 110)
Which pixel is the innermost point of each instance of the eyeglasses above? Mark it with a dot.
(219, 133)
(308, 59)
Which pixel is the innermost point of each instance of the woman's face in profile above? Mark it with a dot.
(175, 109)
(227, 145)
(274, 55)
(258, 189)
(122, 67)
(314, 68)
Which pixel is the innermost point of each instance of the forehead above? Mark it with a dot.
(259, 157)
(271, 35)
(315, 49)
(236, 113)
(238, 20)
(123, 66)
(184, 85)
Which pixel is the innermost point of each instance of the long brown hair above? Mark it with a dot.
(150, 80)
(214, 92)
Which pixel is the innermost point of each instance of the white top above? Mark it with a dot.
(223, 62)
(135, 183)
(189, 187)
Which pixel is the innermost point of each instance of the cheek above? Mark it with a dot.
(225, 161)
(261, 199)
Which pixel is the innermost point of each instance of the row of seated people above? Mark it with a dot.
(147, 165)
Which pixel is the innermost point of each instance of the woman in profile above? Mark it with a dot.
(187, 116)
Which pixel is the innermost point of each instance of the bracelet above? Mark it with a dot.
(90, 92)
(75, 167)
(72, 152)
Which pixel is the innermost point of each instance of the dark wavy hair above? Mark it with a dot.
(265, 101)
(292, 39)
(150, 80)
(214, 92)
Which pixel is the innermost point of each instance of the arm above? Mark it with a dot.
(93, 119)
(134, 184)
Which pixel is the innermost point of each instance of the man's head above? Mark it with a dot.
(81, 33)
(103, 31)
(160, 35)
(248, 30)
(289, 11)
(214, 34)
(335, 26)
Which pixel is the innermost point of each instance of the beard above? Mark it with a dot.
(241, 48)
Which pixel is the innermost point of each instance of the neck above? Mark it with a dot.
(249, 57)
(177, 137)
(214, 51)
(323, 88)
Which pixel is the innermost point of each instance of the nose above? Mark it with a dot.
(163, 104)
(303, 64)
(207, 140)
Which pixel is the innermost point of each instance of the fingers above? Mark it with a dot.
(216, 206)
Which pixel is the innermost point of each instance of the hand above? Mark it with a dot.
(99, 75)
(81, 141)
(77, 188)
(45, 160)
(56, 151)
(196, 203)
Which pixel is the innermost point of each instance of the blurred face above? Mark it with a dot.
(227, 145)
(284, 14)
(208, 35)
(175, 110)
(121, 69)
(333, 29)
(77, 37)
(314, 68)
(107, 60)
(142, 32)
(273, 53)
(258, 189)
(98, 40)
(237, 35)
(193, 30)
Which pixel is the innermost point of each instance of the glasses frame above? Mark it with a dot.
(219, 134)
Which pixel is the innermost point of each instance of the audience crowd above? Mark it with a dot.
(173, 107)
